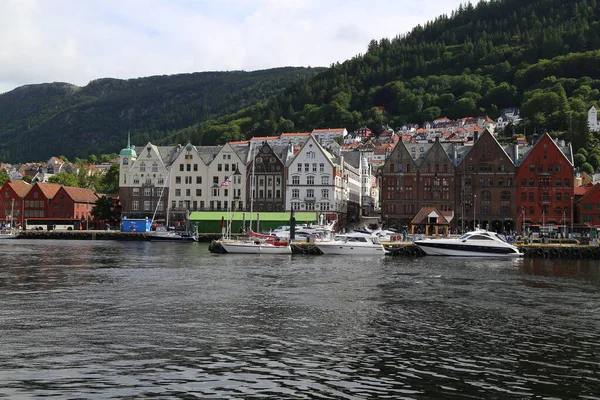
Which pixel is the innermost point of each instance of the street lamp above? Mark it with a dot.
(474, 208)
(572, 215)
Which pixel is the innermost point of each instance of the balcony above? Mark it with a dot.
(310, 199)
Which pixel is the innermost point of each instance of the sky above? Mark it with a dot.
(77, 41)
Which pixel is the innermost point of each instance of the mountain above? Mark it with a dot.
(540, 55)
(39, 121)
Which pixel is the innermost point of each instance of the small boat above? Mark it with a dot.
(171, 236)
(478, 243)
(355, 243)
(257, 243)
(9, 234)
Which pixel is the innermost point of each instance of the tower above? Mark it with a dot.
(127, 157)
(593, 120)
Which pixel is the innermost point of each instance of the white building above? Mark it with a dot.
(315, 182)
(593, 120)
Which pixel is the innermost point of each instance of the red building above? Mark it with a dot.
(544, 181)
(72, 202)
(12, 194)
(588, 206)
(37, 200)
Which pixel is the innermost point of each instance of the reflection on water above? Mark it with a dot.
(129, 320)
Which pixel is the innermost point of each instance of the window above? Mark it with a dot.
(321, 167)
(295, 180)
(325, 193)
(198, 192)
(324, 180)
(181, 167)
(219, 167)
(486, 195)
(199, 180)
(558, 196)
(299, 167)
(177, 179)
(147, 192)
(523, 196)
(310, 193)
(188, 192)
(195, 169)
(310, 180)
(161, 180)
(188, 167)
(531, 183)
(147, 206)
(558, 182)
(177, 192)
(505, 196)
(523, 182)
(154, 167)
(135, 205)
(567, 182)
(136, 191)
(314, 167)
(216, 180)
(142, 167)
(306, 167)
(531, 197)
(295, 193)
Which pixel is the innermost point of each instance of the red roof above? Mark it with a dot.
(20, 187)
(80, 195)
(49, 189)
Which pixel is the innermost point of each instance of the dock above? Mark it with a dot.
(401, 249)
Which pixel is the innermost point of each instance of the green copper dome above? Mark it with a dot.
(128, 151)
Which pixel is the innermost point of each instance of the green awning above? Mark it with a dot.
(301, 216)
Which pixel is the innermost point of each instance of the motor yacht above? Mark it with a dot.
(479, 243)
(354, 243)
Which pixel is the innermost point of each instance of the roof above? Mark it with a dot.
(21, 188)
(425, 212)
(80, 195)
(49, 189)
(301, 216)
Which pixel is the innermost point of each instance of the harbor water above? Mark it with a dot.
(108, 319)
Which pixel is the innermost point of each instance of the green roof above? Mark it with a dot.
(128, 152)
(301, 216)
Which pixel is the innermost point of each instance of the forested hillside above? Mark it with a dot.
(39, 121)
(540, 55)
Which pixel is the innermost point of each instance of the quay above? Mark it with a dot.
(405, 249)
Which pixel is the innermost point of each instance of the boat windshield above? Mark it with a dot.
(502, 238)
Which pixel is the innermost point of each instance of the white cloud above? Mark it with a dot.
(77, 41)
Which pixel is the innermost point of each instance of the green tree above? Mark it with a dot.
(110, 181)
(28, 178)
(63, 178)
(3, 177)
(103, 208)
(587, 167)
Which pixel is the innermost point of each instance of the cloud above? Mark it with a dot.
(78, 41)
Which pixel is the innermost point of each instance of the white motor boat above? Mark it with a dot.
(355, 243)
(257, 243)
(9, 234)
(479, 243)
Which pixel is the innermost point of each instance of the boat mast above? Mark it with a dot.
(251, 184)
(160, 199)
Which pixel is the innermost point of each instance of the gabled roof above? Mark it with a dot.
(21, 188)
(316, 142)
(80, 195)
(584, 190)
(427, 212)
(49, 189)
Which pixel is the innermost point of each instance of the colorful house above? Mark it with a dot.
(12, 194)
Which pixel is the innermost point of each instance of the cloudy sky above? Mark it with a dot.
(80, 40)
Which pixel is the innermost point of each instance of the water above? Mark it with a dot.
(101, 320)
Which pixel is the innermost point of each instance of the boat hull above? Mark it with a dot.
(9, 235)
(171, 238)
(442, 248)
(351, 249)
(254, 248)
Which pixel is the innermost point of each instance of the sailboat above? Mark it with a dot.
(10, 233)
(255, 243)
(162, 234)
